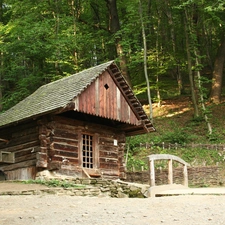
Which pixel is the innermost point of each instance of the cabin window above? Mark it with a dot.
(87, 151)
(7, 157)
(106, 86)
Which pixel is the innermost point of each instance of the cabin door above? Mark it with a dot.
(89, 156)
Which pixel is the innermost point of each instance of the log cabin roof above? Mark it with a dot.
(56, 96)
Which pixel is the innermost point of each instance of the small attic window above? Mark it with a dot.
(106, 86)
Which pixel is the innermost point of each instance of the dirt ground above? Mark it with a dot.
(53, 209)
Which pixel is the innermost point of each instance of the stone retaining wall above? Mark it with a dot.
(136, 184)
(197, 176)
(89, 187)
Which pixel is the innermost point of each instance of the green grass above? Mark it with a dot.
(174, 123)
(54, 183)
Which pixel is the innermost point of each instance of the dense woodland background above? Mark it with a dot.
(177, 47)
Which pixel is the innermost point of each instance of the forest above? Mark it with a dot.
(165, 49)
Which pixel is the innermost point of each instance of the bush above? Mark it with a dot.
(178, 136)
(136, 164)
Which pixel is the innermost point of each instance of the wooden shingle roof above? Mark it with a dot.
(57, 95)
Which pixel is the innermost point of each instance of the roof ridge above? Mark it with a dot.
(82, 71)
(52, 96)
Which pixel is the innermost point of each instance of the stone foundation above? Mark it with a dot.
(95, 187)
(89, 187)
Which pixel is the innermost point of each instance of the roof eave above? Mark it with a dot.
(131, 99)
(26, 119)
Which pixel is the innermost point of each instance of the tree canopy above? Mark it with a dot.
(44, 40)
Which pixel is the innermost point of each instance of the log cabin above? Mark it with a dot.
(75, 126)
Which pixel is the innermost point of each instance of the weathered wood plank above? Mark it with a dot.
(19, 147)
(18, 165)
(101, 96)
(97, 97)
(42, 160)
(106, 141)
(167, 157)
(152, 173)
(118, 96)
(25, 131)
(60, 124)
(65, 133)
(65, 147)
(170, 171)
(67, 154)
(22, 173)
(25, 157)
(108, 160)
(23, 139)
(65, 141)
(60, 159)
(114, 103)
(108, 154)
(26, 151)
(110, 148)
(108, 166)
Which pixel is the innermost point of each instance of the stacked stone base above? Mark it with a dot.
(89, 187)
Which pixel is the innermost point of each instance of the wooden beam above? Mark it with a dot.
(18, 165)
(85, 172)
(4, 140)
(170, 171)
(185, 172)
(152, 173)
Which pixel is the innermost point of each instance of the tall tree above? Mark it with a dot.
(114, 27)
(145, 63)
(217, 79)
(188, 32)
(46, 40)
(1, 57)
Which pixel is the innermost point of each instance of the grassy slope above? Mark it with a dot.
(176, 115)
(174, 123)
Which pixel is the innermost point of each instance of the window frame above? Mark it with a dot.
(95, 150)
(87, 151)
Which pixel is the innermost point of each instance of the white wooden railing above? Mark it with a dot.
(170, 159)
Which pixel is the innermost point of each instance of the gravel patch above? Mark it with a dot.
(66, 210)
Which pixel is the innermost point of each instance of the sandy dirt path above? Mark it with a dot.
(66, 210)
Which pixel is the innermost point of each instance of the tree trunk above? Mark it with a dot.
(1, 62)
(218, 73)
(158, 65)
(145, 63)
(173, 41)
(201, 94)
(1, 75)
(189, 58)
(114, 27)
(74, 9)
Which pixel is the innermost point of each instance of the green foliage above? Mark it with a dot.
(136, 164)
(216, 136)
(42, 41)
(136, 194)
(135, 141)
(178, 135)
(172, 132)
(54, 183)
(194, 156)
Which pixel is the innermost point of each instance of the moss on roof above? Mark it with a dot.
(52, 96)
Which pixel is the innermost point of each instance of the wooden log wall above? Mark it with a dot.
(61, 141)
(24, 143)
